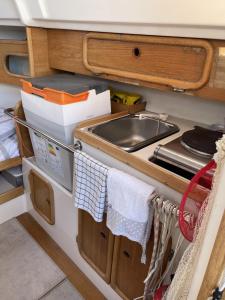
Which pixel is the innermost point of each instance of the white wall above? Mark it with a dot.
(13, 208)
(179, 105)
(9, 95)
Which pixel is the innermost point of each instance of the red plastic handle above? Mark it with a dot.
(185, 228)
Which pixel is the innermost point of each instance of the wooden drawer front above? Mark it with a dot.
(177, 62)
(42, 196)
(95, 244)
(128, 273)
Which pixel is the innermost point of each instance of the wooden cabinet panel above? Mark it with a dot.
(37, 39)
(95, 243)
(42, 196)
(65, 50)
(25, 145)
(11, 194)
(11, 47)
(128, 273)
(177, 62)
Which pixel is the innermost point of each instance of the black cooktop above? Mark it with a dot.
(201, 140)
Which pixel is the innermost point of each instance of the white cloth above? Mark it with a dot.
(90, 179)
(129, 211)
(7, 127)
(9, 148)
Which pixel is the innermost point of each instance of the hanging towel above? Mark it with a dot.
(90, 182)
(129, 211)
(9, 148)
(7, 127)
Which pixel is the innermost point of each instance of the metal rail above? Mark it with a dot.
(71, 148)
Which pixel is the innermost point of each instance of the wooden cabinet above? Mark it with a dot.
(176, 62)
(7, 48)
(192, 66)
(95, 243)
(116, 259)
(42, 196)
(24, 58)
(37, 41)
(128, 273)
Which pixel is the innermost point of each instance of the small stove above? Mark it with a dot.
(174, 153)
(190, 152)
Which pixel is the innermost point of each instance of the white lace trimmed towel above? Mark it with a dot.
(135, 231)
(90, 185)
(129, 211)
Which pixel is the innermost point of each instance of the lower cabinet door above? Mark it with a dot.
(95, 243)
(42, 196)
(128, 273)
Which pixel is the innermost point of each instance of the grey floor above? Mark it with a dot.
(26, 271)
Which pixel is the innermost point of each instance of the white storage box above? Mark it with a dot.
(59, 120)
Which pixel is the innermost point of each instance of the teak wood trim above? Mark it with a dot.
(11, 194)
(25, 145)
(73, 273)
(148, 168)
(37, 40)
(50, 220)
(215, 266)
(11, 47)
(152, 40)
(10, 163)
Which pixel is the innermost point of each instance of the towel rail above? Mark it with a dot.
(70, 148)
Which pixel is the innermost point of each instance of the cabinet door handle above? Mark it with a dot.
(126, 254)
(103, 235)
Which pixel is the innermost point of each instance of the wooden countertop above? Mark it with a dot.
(139, 159)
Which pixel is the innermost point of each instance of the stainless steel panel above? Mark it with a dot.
(175, 154)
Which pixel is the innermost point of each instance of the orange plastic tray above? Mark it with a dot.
(55, 96)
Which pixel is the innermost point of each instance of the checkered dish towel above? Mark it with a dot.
(90, 185)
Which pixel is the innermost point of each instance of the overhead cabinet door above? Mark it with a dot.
(176, 62)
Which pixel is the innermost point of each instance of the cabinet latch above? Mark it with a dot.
(178, 90)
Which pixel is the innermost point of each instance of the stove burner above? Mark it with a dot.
(201, 141)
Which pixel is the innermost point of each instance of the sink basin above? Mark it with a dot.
(131, 133)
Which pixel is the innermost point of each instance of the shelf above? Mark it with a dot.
(8, 191)
(10, 163)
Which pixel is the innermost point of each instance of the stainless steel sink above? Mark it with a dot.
(132, 133)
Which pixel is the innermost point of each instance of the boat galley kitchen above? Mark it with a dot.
(112, 120)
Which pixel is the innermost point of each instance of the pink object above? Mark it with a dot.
(201, 178)
(159, 293)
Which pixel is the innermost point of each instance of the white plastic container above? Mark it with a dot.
(59, 121)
